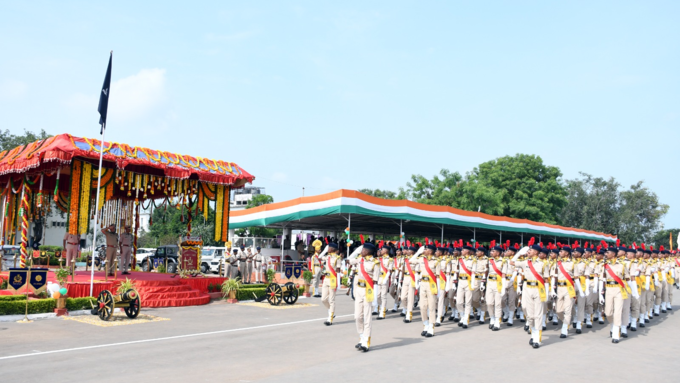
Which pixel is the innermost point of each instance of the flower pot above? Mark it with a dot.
(61, 303)
(232, 295)
(308, 287)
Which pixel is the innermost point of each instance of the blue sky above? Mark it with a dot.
(302, 93)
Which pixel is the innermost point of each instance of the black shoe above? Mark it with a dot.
(407, 321)
(642, 325)
(646, 320)
(549, 318)
(633, 329)
(543, 328)
(464, 326)
(374, 314)
(522, 320)
(578, 331)
(358, 346)
(423, 333)
(393, 310)
(536, 345)
(610, 334)
(327, 323)
(481, 322)
(627, 327)
(656, 315)
(516, 316)
(509, 324)
(624, 335)
(402, 314)
(589, 326)
(380, 318)
(460, 324)
(526, 328)
(364, 349)
(490, 326)
(663, 311)
(601, 322)
(615, 341)
(573, 325)
(495, 329)
(456, 319)
(428, 335)
(437, 324)
(562, 336)
(531, 341)
(452, 319)
(669, 308)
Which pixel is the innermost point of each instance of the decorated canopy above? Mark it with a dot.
(65, 169)
(332, 212)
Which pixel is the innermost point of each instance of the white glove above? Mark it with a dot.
(453, 286)
(595, 284)
(482, 286)
(578, 287)
(633, 289)
(663, 275)
(503, 291)
(656, 280)
(673, 273)
(601, 299)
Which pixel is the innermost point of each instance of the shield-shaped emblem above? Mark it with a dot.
(297, 271)
(289, 271)
(156, 262)
(17, 278)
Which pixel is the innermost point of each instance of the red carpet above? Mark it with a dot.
(155, 290)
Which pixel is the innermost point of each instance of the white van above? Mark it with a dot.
(211, 258)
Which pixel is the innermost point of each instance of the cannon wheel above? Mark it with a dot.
(133, 310)
(274, 294)
(292, 294)
(106, 305)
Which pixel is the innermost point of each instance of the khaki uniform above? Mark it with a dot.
(613, 305)
(242, 267)
(467, 285)
(534, 306)
(125, 251)
(494, 295)
(331, 263)
(394, 281)
(645, 283)
(408, 288)
(631, 305)
(480, 269)
(509, 300)
(451, 294)
(598, 268)
(259, 267)
(111, 247)
(386, 265)
(428, 299)
(442, 279)
(72, 246)
(318, 271)
(581, 269)
(565, 302)
(362, 306)
(230, 265)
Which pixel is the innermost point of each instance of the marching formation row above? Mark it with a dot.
(567, 283)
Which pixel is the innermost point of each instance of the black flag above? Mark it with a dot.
(104, 96)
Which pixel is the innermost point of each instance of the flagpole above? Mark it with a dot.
(96, 210)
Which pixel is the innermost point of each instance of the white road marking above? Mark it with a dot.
(165, 338)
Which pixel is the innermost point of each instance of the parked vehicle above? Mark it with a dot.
(8, 254)
(163, 255)
(211, 258)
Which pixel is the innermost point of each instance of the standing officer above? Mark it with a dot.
(429, 269)
(111, 246)
(535, 272)
(316, 268)
(386, 266)
(242, 267)
(259, 266)
(364, 294)
(496, 285)
(125, 250)
(71, 245)
(331, 263)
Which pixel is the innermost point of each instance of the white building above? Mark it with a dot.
(241, 197)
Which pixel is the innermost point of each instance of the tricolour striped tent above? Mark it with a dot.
(365, 214)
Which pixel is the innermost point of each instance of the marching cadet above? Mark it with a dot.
(111, 245)
(364, 283)
(496, 285)
(397, 274)
(510, 297)
(581, 270)
(666, 279)
(612, 279)
(650, 284)
(429, 269)
(564, 288)
(125, 244)
(643, 283)
(480, 270)
(408, 288)
(316, 268)
(588, 277)
(331, 264)
(452, 285)
(550, 313)
(259, 265)
(386, 266)
(535, 272)
(597, 266)
(443, 259)
(466, 282)
(631, 310)
(658, 285)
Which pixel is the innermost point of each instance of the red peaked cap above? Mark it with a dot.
(575, 244)
(476, 244)
(531, 241)
(635, 246)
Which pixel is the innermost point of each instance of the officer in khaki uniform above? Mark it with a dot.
(643, 281)
(331, 270)
(386, 266)
(442, 278)
(480, 270)
(451, 270)
(428, 266)
(408, 287)
(566, 284)
(316, 267)
(631, 310)
(615, 278)
(467, 284)
(367, 276)
(396, 277)
(496, 285)
(125, 244)
(536, 274)
(111, 246)
(510, 298)
(71, 246)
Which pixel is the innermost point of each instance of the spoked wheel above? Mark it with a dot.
(133, 310)
(105, 302)
(274, 294)
(292, 293)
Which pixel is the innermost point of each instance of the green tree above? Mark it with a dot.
(640, 214)
(169, 223)
(259, 199)
(662, 238)
(11, 141)
(386, 194)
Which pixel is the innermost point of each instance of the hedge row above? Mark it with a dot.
(16, 305)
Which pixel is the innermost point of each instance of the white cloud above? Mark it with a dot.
(13, 89)
(132, 97)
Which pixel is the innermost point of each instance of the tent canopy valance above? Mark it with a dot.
(331, 212)
(56, 151)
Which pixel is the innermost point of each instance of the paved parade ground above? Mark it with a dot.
(252, 342)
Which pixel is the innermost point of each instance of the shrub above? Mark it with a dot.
(50, 248)
(18, 307)
(230, 285)
(344, 281)
(308, 276)
(73, 304)
(12, 298)
(161, 268)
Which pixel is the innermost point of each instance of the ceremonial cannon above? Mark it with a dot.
(276, 293)
(107, 302)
